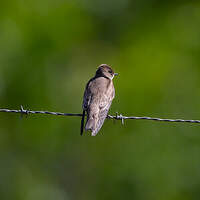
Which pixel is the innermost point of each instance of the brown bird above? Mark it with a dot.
(98, 96)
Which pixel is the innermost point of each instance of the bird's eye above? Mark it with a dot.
(110, 71)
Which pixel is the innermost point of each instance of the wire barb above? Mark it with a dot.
(23, 112)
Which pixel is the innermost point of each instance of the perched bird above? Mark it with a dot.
(98, 96)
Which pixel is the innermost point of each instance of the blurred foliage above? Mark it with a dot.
(48, 51)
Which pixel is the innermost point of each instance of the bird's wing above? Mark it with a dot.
(104, 108)
(87, 96)
(86, 101)
(101, 117)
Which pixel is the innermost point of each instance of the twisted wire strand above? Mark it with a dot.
(22, 111)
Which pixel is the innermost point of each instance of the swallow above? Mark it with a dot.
(97, 99)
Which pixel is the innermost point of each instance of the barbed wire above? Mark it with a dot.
(23, 112)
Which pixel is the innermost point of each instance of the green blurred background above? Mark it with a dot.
(49, 50)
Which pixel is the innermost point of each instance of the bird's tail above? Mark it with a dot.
(90, 124)
(82, 122)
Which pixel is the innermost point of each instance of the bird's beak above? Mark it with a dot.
(115, 74)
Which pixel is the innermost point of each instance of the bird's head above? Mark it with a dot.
(106, 71)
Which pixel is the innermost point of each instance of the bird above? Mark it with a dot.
(98, 95)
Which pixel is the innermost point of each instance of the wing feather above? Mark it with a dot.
(105, 106)
(101, 118)
(87, 96)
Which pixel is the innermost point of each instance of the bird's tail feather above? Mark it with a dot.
(82, 122)
(90, 124)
